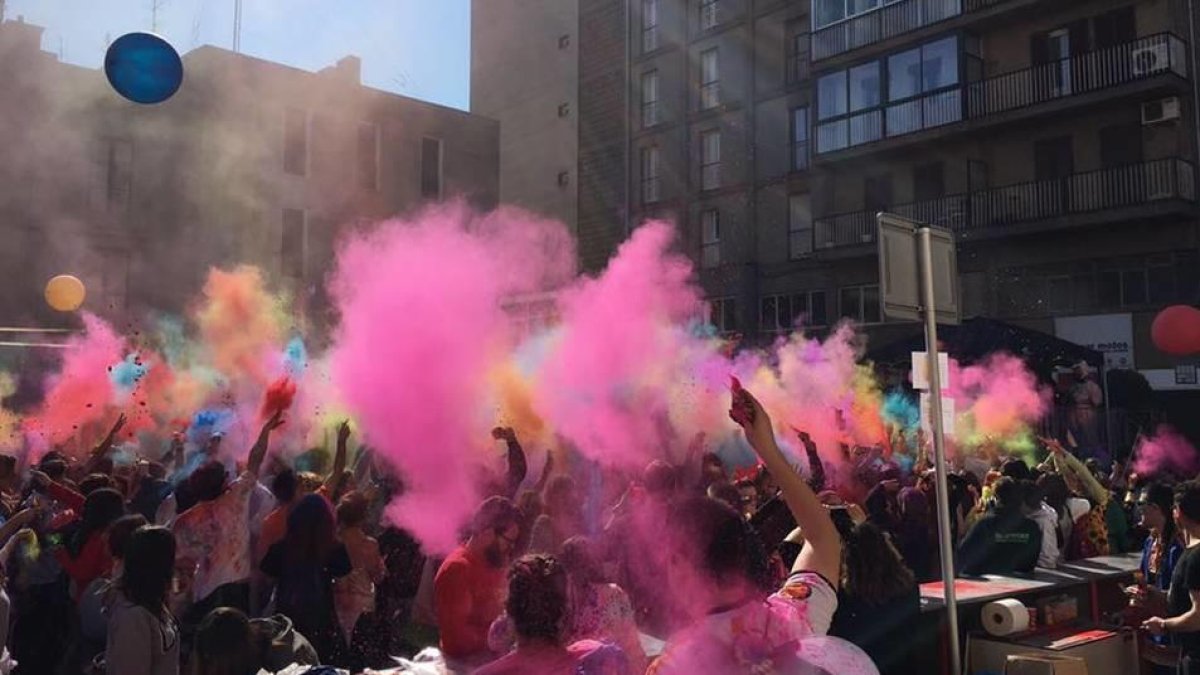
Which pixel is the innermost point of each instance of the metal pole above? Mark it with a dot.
(945, 534)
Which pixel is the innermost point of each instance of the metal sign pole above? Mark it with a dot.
(946, 535)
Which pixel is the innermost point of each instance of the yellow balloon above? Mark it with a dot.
(65, 293)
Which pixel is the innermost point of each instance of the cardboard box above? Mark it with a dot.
(1104, 652)
(1030, 664)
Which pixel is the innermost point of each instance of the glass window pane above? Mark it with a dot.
(864, 86)
(940, 63)
(850, 303)
(799, 311)
(829, 11)
(860, 6)
(904, 75)
(831, 95)
(818, 315)
(767, 314)
(1133, 287)
(871, 304)
(800, 124)
(1108, 291)
(1162, 285)
(1060, 294)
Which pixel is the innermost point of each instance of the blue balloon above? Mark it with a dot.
(143, 68)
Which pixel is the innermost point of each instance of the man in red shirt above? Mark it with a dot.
(469, 586)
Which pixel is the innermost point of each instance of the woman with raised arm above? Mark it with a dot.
(715, 572)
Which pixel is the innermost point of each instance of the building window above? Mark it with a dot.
(784, 313)
(650, 99)
(710, 79)
(368, 156)
(564, 109)
(710, 160)
(117, 166)
(860, 304)
(722, 314)
(295, 142)
(431, 168)
(564, 41)
(650, 179)
(860, 105)
(708, 14)
(649, 25)
(710, 238)
(799, 138)
(826, 12)
(800, 233)
(796, 52)
(291, 254)
(564, 178)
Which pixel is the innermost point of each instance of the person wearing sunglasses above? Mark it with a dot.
(470, 584)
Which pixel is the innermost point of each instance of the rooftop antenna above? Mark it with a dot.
(237, 26)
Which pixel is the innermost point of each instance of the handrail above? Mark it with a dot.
(1113, 187)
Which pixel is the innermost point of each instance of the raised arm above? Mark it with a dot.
(822, 551)
(816, 468)
(259, 452)
(334, 481)
(518, 467)
(1066, 463)
(547, 469)
(105, 445)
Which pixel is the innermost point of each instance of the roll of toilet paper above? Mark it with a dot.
(1005, 617)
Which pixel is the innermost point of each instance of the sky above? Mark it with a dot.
(418, 48)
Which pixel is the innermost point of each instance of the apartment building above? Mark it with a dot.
(250, 162)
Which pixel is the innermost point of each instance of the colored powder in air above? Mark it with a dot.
(81, 392)
(1000, 398)
(901, 411)
(240, 323)
(208, 422)
(604, 385)
(1166, 452)
(422, 323)
(278, 397)
(126, 374)
(10, 421)
(295, 358)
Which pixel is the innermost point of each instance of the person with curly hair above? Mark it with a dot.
(537, 604)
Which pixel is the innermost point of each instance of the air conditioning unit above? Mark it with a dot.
(1162, 110)
(1150, 59)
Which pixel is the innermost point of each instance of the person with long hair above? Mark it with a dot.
(143, 636)
(1160, 554)
(879, 599)
(86, 556)
(354, 594)
(304, 565)
(914, 537)
(599, 610)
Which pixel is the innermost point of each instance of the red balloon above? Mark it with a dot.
(1176, 330)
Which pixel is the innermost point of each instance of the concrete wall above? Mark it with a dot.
(524, 65)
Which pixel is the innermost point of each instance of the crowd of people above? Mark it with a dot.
(194, 562)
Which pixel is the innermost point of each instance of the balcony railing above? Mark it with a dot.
(1080, 74)
(888, 20)
(1116, 187)
(1106, 68)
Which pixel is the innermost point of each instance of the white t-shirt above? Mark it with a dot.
(742, 639)
(215, 536)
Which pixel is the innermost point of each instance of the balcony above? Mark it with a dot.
(1020, 93)
(892, 18)
(995, 210)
